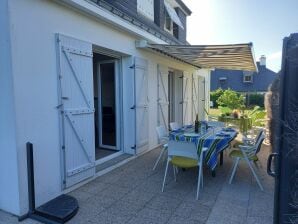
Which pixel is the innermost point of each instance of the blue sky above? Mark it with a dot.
(263, 22)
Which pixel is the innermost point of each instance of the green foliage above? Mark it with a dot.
(225, 110)
(256, 99)
(214, 95)
(231, 99)
(258, 118)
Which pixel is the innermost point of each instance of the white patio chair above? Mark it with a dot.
(249, 141)
(175, 126)
(184, 155)
(247, 153)
(163, 137)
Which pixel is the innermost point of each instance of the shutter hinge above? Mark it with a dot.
(64, 182)
(133, 107)
(181, 77)
(63, 147)
(134, 147)
(58, 106)
(132, 66)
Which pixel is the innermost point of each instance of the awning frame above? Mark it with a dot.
(232, 56)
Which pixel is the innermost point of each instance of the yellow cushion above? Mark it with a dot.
(184, 162)
(238, 154)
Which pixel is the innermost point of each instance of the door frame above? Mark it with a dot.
(117, 103)
(171, 96)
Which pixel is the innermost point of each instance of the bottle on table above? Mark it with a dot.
(197, 124)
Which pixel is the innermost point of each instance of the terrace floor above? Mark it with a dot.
(132, 194)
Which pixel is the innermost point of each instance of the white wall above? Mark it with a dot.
(35, 82)
(9, 192)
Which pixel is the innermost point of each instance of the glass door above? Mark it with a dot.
(107, 104)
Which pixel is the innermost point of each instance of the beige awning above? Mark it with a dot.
(230, 56)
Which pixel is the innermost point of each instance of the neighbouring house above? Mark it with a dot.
(87, 81)
(244, 81)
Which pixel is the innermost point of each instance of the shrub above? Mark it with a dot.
(255, 99)
(214, 95)
(231, 99)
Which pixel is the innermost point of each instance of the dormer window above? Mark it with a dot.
(247, 77)
(171, 18)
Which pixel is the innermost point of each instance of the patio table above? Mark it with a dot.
(215, 139)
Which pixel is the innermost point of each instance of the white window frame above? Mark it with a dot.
(167, 16)
(247, 75)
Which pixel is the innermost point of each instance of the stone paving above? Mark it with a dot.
(132, 194)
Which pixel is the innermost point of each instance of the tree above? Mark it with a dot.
(231, 99)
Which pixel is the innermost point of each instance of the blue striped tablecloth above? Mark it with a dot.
(216, 140)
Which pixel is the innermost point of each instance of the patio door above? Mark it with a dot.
(163, 98)
(108, 116)
(141, 101)
(76, 107)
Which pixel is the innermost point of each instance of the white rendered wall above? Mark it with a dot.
(9, 192)
(35, 24)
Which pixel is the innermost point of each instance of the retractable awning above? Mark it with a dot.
(231, 56)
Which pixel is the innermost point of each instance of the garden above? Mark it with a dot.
(245, 111)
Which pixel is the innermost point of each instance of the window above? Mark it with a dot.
(248, 78)
(223, 79)
(175, 30)
(146, 8)
(171, 19)
(168, 23)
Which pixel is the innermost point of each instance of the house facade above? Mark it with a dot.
(244, 81)
(74, 83)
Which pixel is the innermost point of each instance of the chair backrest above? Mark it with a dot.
(161, 132)
(216, 123)
(185, 149)
(259, 142)
(258, 136)
(175, 126)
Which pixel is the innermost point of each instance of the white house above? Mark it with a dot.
(79, 80)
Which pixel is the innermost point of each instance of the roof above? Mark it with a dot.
(184, 7)
(234, 79)
(230, 56)
(138, 21)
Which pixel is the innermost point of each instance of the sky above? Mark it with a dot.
(263, 22)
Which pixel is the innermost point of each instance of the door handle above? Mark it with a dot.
(269, 165)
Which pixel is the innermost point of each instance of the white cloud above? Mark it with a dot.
(275, 55)
(274, 61)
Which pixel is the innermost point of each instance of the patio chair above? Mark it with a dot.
(249, 141)
(184, 155)
(163, 139)
(175, 126)
(247, 153)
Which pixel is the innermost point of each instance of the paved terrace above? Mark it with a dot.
(132, 194)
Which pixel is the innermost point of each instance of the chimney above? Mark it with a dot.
(263, 60)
